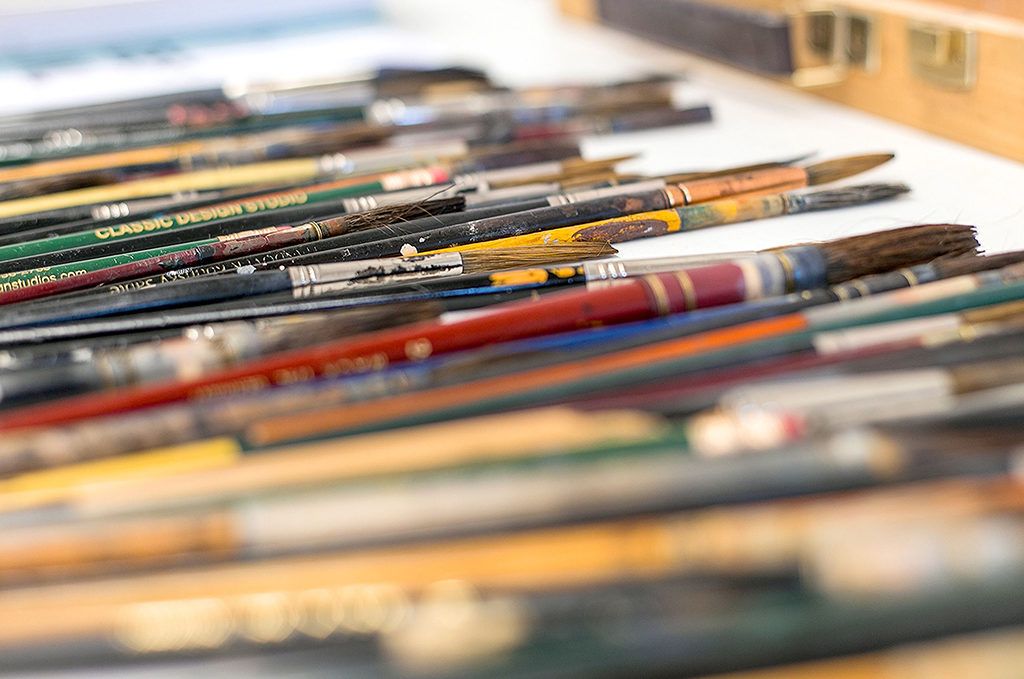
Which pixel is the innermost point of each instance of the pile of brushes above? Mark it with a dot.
(350, 375)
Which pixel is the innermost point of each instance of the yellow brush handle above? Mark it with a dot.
(565, 234)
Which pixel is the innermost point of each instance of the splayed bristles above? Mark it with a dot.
(887, 250)
(841, 168)
(497, 259)
(390, 214)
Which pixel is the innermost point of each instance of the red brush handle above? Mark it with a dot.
(656, 295)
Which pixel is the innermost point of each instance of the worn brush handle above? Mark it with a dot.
(690, 218)
(647, 224)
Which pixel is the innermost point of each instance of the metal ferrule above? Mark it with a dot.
(359, 204)
(605, 271)
(805, 266)
(111, 211)
(302, 277)
(763, 276)
(335, 163)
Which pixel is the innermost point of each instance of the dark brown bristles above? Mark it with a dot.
(497, 259)
(887, 250)
(391, 214)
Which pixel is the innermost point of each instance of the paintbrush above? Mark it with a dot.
(799, 268)
(671, 195)
(390, 116)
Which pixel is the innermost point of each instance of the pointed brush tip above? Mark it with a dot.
(828, 171)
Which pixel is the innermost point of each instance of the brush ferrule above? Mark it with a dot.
(763, 276)
(805, 266)
(302, 277)
(794, 203)
(360, 204)
(335, 163)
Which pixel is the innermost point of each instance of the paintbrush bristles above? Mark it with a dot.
(841, 168)
(497, 259)
(848, 196)
(887, 250)
(383, 216)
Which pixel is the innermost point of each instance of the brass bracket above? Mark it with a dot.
(828, 41)
(943, 56)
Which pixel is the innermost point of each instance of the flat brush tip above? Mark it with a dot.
(840, 168)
